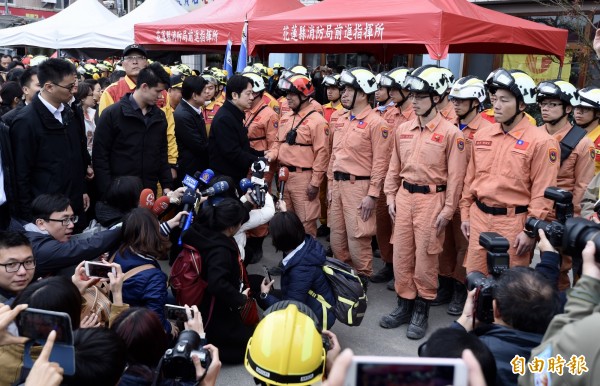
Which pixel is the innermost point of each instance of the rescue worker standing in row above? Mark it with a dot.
(303, 147)
(445, 107)
(511, 164)
(283, 103)
(394, 115)
(423, 187)
(357, 168)
(466, 95)
(262, 124)
(556, 100)
(587, 116)
(212, 104)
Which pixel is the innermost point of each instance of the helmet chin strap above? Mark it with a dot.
(404, 99)
(433, 104)
(302, 101)
(585, 125)
(353, 100)
(512, 119)
(471, 108)
(555, 121)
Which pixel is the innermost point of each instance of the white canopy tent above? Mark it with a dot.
(82, 15)
(119, 33)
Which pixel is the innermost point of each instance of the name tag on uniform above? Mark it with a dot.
(406, 136)
(483, 143)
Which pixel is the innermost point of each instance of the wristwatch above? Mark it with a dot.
(263, 295)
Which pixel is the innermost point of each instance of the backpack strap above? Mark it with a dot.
(570, 142)
(136, 270)
(324, 305)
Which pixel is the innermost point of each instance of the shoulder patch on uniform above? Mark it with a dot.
(439, 138)
(276, 124)
(592, 153)
(460, 144)
(385, 132)
(276, 109)
(552, 155)
(326, 130)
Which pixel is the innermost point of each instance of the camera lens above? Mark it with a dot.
(579, 232)
(475, 279)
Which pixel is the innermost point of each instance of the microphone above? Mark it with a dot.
(188, 200)
(206, 176)
(218, 188)
(146, 198)
(245, 185)
(191, 182)
(284, 174)
(161, 205)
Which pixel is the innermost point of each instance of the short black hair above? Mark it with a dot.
(191, 85)
(451, 342)
(287, 231)
(104, 82)
(124, 193)
(55, 70)
(91, 81)
(116, 75)
(25, 79)
(46, 204)
(14, 74)
(83, 90)
(236, 84)
(227, 213)
(526, 300)
(14, 64)
(10, 239)
(152, 76)
(100, 358)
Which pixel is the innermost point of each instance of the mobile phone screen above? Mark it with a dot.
(267, 274)
(37, 325)
(177, 313)
(372, 374)
(98, 269)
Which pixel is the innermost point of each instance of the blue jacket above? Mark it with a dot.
(304, 272)
(146, 289)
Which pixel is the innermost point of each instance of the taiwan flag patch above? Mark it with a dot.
(521, 145)
(361, 124)
(439, 138)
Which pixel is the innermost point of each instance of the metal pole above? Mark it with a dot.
(6, 10)
(560, 71)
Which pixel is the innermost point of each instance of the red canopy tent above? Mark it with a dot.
(209, 27)
(402, 26)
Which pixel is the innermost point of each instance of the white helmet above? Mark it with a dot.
(427, 79)
(516, 81)
(258, 84)
(468, 87)
(449, 76)
(359, 78)
(332, 81)
(558, 89)
(589, 97)
(394, 78)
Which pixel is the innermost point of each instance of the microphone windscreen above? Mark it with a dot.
(146, 198)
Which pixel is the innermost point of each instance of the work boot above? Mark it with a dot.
(384, 274)
(364, 279)
(444, 292)
(459, 297)
(391, 285)
(418, 322)
(401, 314)
(323, 231)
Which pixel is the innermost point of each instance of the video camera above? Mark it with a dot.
(177, 362)
(567, 232)
(259, 168)
(498, 262)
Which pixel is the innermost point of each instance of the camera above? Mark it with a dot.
(177, 361)
(498, 262)
(290, 137)
(567, 232)
(259, 168)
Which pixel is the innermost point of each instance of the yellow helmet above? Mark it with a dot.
(286, 347)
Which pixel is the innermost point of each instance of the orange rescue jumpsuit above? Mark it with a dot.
(511, 171)
(209, 113)
(433, 156)
(455, 244)
(306, 161)
(328, 111)
(574, 176)
(449, 113)
(284, 108)
(359, 160)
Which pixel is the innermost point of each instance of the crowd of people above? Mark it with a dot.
(411, 165)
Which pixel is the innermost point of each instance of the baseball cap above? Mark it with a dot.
(134, 47)
(177, 81)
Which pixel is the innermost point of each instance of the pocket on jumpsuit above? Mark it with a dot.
(436, 243)
(365, 228)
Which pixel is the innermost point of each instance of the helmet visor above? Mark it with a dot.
(386, 81)
(284, 85)
(329, 81)
(548, 89)
(416, 84)
(346, 78)
(503, 78)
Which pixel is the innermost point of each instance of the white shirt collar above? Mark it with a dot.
(292, 253)
(56, 112)
(198, 110)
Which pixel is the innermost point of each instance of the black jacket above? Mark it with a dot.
(221, 270)
(49, 156)
(229, 149)
(10, 116)
(127, 143)
(192, 142)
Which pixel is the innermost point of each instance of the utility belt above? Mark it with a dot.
(339, 176)
(423, 189)
(496, 211)
(296, 169)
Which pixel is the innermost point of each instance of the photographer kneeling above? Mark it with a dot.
(524, 302)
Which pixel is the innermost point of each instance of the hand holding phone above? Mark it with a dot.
(99, 270)
(177, 313)
(267, 274)
(37, 324)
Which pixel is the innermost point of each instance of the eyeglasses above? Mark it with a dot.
(67, 87)
(66, 221)
(16, 266)
(583, 109)
(134, 57)
(418, 97)
(549, 104)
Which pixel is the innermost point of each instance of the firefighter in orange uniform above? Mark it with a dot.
(398, 112)
(511, 164)
(357, 168)
(212, 105)
(587, 116)
(466, 95)
(302, 146)
(577, 153)
(445, 107)
(423, 187)
(283, 102)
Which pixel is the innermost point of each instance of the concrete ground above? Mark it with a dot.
(367, 339)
